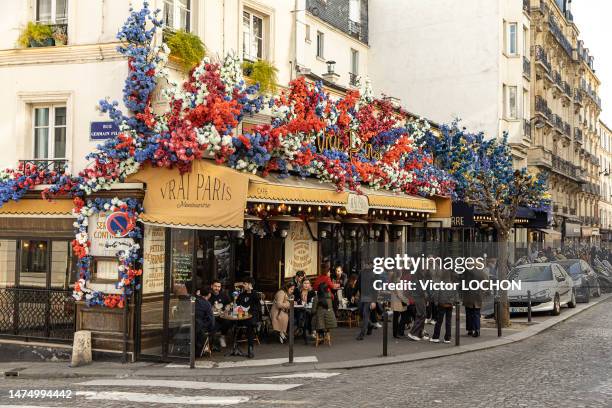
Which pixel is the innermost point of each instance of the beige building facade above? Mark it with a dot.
(605, 199)
(565, 112)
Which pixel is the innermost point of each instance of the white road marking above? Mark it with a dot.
(247, 363)
(304, 375)
(194, 385)
(160, 398)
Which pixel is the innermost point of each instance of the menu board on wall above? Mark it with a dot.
(300, 249)
(154, 259)
(103, 242)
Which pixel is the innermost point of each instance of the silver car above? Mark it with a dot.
(550, 285)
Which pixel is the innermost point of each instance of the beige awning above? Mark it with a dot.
(37, 207)
(274, 189)
(387, 200)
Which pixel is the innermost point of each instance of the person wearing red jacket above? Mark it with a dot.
(324, 277)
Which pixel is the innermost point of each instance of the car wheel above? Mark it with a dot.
(556, 306)
(572, 302)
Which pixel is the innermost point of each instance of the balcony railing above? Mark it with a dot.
(353, 79)
(558, 123)
(354, 29)
(542, 58)
(557, 78)
(527, 129)
(567, 89)
(526, 6)
(567, 129)
(578, 96)
(559, 36)
(563, 166)
(542, 107)
(526, 67)
(578, 135)
(36, 165)
(572, 211)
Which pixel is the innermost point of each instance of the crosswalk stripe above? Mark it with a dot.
(194, 385)
(304, 375)
(161, 398)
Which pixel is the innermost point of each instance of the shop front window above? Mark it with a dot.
(34, 263)
(8, 259)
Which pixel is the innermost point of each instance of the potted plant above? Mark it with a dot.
(262, 72)
(185, 46)
(36, 35)
(59, 36)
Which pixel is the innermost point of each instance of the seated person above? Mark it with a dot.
(219, 300)
(279, 314)
(298, 280)
(304, 297)
(204, 318)
(351, 291)
(248, 298)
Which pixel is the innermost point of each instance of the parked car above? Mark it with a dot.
(586, 283)
(550, 285)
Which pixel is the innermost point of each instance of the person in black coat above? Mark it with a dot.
(204, 317)
(249, 298)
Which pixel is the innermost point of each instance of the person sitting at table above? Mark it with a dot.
(323, 317)
(249, 299)
(219, 300)
(303, 298)
(279, 315)
(204, 317)
(298, 279)
(351, 290)
(339, 279)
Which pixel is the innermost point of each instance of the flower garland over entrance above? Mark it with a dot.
(351, 141)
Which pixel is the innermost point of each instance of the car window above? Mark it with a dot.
(573, 268)
(531, 273)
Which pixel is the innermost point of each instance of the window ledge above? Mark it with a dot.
(321, 59)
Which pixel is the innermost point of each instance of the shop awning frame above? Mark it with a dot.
(37, 208)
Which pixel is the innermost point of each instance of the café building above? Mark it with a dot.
(211, 223)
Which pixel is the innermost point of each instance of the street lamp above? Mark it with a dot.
(331, 66)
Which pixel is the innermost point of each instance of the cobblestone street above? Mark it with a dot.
(566, 366)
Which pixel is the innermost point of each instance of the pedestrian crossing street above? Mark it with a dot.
(265, 391)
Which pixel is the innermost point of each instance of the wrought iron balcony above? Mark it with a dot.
(567, 129)
(353, 79)
(354, 29)
(542, 108)
(542, 58)
(559, 36)
(526, 6)
(557, 78)
(572, 211)
(567, 89)
(558, 123)
(36, 165)
(526, 67)
(578, 135)
(578, 96)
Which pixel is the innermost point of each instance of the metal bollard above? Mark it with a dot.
(385, 332)
(457, 324)
(498, 317)
(291, 328)
(528, 306)
(124, 358)
(192, 335)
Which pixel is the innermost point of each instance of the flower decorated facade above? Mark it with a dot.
(351, 142)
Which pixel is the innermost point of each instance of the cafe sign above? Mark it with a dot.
(207, 197)
(300, 249)
(154, 256)
(334, 142)
(357, 204)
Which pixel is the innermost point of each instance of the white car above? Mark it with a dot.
(550, 285)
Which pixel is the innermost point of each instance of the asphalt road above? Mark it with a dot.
(569, 365)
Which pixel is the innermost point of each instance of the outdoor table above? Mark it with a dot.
(347, 315)
(234, 320)
(307, 316)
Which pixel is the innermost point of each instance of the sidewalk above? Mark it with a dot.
(345, 353)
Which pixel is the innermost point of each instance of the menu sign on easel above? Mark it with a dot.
(154, 259)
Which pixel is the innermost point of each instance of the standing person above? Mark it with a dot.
(219, 301)
(351, 290)
(419, 297)
(399, 305)
(339, 280)
(472, 301)
(367, 301)
(324, 278)
(279, 314)
(204, 318)
(323, 317)
(249, 299)
(444, 300)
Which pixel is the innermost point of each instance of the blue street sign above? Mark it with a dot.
(103, 130)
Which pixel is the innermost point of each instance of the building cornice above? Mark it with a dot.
(68, 54)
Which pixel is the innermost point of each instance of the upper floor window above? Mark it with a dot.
(252, 36)
(49, 132)
(525, 41)
(355, 10)
(177, 14)
(510, 102)
(307, 33)
(354, 62)
(511, 39)
(52, 11)
(320, 44)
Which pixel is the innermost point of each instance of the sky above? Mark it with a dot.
(594, 21)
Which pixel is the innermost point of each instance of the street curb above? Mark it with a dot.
(156, 370)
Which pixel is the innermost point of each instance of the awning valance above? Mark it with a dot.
(392, 201)
(27, 207)
(207, 197)
(273, 189)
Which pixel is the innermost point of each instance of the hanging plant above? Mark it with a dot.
(263, 73)
(36, 35)
(186, 46)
